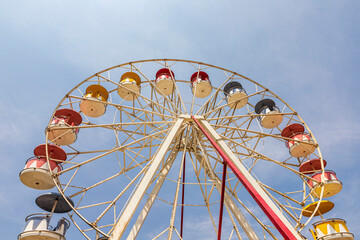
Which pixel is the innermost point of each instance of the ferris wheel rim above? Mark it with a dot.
(175, 60)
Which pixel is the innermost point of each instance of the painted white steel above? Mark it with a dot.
(144, 212)
(248, 176)
(144, 184)
(249, 231)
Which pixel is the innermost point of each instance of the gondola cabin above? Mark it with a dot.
(94, 104)
(300, 143)
(270, 115)
(129, 86)
(165, 81)
(37, 226)
(200, 84)
(331, 229)
(235, 95)
(61, 131)
(330, 184)
(38, 172)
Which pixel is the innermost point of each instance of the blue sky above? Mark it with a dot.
(305, 51)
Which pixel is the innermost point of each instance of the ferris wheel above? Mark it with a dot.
(177, 149)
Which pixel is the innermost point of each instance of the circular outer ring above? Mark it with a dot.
(203, 65)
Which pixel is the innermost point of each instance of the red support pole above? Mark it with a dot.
(223, 183)
(182, 199)
(274, 218)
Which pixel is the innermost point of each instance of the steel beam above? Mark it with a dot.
(139, 192)
(263, 200)
(245, 225)
(144, 212)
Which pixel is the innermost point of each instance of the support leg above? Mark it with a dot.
(138, 194)
(270, 209)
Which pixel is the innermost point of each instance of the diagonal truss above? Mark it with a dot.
(273, 213)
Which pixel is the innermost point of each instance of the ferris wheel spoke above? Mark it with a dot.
(261, 134)
(282, 206)
(283, 225)
(122, 171)
(140, 191)
(204, 161)
(266, 158)
(119, 148)
(249, 231)
(151, 124)
(152, 196)
(205, 194)
(176, 196)
(140, 126)
(132, 182)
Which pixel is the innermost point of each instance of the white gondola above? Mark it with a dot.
(270, 113)
(235, 95)
(37, 227)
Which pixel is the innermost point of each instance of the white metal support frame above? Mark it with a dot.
(144, 212)
(267, 205)
(249, 231)
(136, 198)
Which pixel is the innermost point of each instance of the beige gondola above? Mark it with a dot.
(200, 84)
(61, 131)
(165, 81)
(129, 86)
(235, 95)
(94, 104)
(270, 114)
(37, 172)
